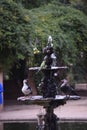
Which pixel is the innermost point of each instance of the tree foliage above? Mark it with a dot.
(14, 32)
(29, 4)
(67, 27)
(26, 24)
(80, 4)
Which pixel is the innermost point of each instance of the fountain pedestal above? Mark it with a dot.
(50, 118)
(49, 104)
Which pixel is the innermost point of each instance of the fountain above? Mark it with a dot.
(49, 98)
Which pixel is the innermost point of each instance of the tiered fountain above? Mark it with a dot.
(49, 98)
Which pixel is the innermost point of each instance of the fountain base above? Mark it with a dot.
(49, 104)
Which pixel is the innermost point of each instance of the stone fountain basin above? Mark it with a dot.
(52, 68)
(39, 100)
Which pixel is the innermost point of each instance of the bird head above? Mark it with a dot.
(24, 81)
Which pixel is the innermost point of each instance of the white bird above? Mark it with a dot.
(49, 39)
(26, 90)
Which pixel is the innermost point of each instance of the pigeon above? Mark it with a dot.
(26, 89)
(66, 88)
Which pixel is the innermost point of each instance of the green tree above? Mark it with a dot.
(68, 27)
(68, 31)
(21, 30)
(29, 4)
(80, 4)
(14, 33)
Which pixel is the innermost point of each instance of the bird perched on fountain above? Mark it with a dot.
(26, 89)
(66, 88)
